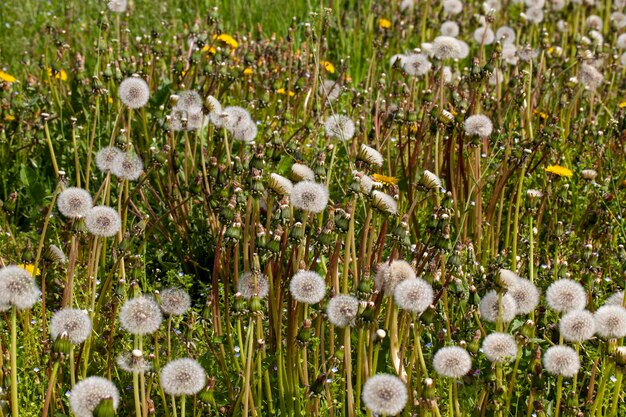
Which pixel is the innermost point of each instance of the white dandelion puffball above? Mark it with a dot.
(525, 294)
(508, 278)
(103, 221)
(506, 35)
(88, 393)
(140, 315)
(452, 362)
(577, 326)
(302, 172)
(175, 301)
(489, 307)
(117, 6)
(307, 287)
(215, 111)
(414, 295)
(134, 92)
(416, 64)
(565, 295)
(478, 125)
(384, 202)
(239, 123)
(561, 360)
(17, 288)
(339, 127)
(183, 376)
(133, 361)
(449, 28)
(330, 89)
(500, 347)
(431, 180)
(385, 394)
(127, 165)
(590, 77)
(309, 196)
(534, 15)
(446, 47)
(189, 101)
(74, 202)
(452, 7)
(253, 285)
(106, 156)
(484, 35)
(75, 324)
(610, 321)
(388, 276)
(621, 41)
(342, 309)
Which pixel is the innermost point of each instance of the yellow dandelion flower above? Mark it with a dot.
(542, 114)
(209, 49)
(413, 128)
(285, 92)
(30, 268)
(61, 75)
(385, 179)
(328, 66)
(7, 78)
(9, 117)
(110, 99)
(559, 170)
(622, 104)
(384, 23)
(248, 71)
(227, 39)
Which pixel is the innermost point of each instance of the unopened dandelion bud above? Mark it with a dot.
(379, 335)
(365, 286)
(105, 408)
(528, 328)
(342, 220)
(297, 232)
(304, 335)
(255, 304)
(62, 345)
(234, 233)
(429, 392)
(239, 306)
(620, 356)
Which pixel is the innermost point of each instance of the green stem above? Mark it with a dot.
(14, 403)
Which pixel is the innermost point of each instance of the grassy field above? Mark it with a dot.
(312, 208)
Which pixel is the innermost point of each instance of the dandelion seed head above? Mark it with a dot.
(414, 295)
(215, 111)
(17, 288)
(446, 47)
(577, 326)
(534, 14)
(452, 362)
(75, 323)
(88, 393)
(134, 92)
(140, 315)
(566, 295)
(430, 180)
(506, 35)
(175, 301)
(342, 310)
(330, 89)
(189, 101)
(106, 156)
(589, 174)
(590, 76)
(339, 127)
(103, 221)
(484, 35)
(235, 118)
(449, 28)
(127, 165)
(55, 254)
(416, 65)
(309, 196)
(452, 7)
(525, 294)
(133, 362)
(478, 125)
(610, 321)
(117, 6)
(307, 287)
(500, 347)
(561, 360)
(489, 307)
(388, 276)
(183, 376)
(385, 394)
(74, 202)
(253, 285)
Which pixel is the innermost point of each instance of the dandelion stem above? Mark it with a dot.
(14, 400)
